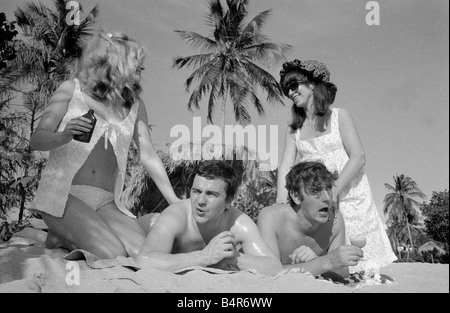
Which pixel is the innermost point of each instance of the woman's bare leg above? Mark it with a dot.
(84, 228)
(126, 229)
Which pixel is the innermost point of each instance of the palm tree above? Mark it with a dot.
(401, 206)
(48, 53)
(59, 43)
(226, 66)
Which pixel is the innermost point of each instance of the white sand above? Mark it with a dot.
(25, 266)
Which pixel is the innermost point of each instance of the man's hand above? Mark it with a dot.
(345, 256)
(220, 247)
(302, 254)
(228, 264)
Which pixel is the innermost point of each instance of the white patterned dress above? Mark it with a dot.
(356, 203)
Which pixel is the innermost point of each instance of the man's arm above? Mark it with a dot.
(256, 254)
(338, 258)
(266, 221)
(338, 240)
(156, 251)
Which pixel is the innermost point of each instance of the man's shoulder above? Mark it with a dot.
(179, 209)
(173, 219)
(274, 211)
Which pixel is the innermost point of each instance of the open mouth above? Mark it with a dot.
(200, 212)
(324, 210)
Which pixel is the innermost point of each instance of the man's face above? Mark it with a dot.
(317, 204)
(208, 199)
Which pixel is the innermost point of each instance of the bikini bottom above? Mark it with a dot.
(93, 197)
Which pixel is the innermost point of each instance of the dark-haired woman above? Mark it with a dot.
(320, 132)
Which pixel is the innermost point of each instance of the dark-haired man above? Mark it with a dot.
(206, 230)
(307, 233)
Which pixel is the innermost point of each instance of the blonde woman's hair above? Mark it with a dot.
(110, 68)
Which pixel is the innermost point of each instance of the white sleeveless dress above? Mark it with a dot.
(356, 203)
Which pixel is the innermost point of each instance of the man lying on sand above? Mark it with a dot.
(306, 233)
(206, 230)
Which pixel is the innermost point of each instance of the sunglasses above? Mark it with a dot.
(293, 86)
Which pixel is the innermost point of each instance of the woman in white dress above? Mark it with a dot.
(319, 132)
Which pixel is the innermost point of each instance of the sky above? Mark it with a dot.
(392, 77)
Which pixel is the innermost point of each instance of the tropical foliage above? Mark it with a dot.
(403, 211)
(43, 58)
(227, 66)
(437, 221)
(257, 190)
(7, 34)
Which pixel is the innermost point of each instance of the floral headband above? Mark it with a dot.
(313, 69)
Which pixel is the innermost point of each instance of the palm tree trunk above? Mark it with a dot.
(410, 240)
(222, 123)
(409, 234)
(23, 191)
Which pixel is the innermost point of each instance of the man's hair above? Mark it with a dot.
(216, 169)
(309, 177)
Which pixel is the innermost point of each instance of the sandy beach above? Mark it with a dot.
(27, 267)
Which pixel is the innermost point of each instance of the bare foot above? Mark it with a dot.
(52, 241)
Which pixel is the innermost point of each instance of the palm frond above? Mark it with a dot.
(198, 41)
(193, 61)
(214, 17)
(208, 80)
(194, 99)
(261, 77)
(200, 72)
(241, 114)
(235, 45)
(258, 105)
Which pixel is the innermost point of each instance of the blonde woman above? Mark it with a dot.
(79, 192)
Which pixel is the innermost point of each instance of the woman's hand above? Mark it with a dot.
(77, 126)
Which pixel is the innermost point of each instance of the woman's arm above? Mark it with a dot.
(287, 161)
(150, 158)
(355, 151)
(45, 137)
